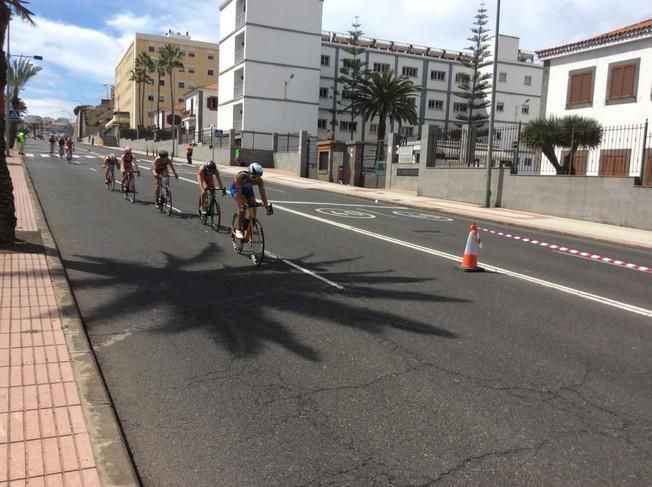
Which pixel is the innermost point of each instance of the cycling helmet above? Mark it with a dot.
(255, 169)
(211, 167)
(112, 157)
(162, 153)
(127, 150)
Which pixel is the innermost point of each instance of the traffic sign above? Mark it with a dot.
(14, 115)
(219, 133)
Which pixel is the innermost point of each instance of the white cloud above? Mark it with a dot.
(49, 107)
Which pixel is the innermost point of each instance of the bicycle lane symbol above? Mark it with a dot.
(344, 213)
(423, 216)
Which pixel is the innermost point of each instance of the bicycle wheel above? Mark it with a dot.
(257, 243)
(215, 215)
(168, 202)
(131, 191)
(237, 243)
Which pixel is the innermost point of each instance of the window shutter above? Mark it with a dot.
(616, 88)
(585, 92)
(575, 88)
(629, 72)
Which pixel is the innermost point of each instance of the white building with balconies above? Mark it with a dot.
(269, 65)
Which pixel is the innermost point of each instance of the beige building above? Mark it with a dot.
(200, 61)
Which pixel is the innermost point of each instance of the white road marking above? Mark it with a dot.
(177, 210)
(90, 157)
(306, 271)
(352, 205)
(423, 216)
(75, 156)
(92, 169)
(455, 258)
(277, 190)
(46, 156)
(29, 155)
(344, 213)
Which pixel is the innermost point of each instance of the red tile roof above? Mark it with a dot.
(635, 30)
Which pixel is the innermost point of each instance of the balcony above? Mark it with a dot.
(239, 55)
(240, 20)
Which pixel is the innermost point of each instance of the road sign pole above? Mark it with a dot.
(6, 107)
(212, 144)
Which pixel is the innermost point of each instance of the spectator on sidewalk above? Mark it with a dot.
(20, 138)
(189, 153)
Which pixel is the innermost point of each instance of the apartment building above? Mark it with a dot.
(437, 72)
(200, 60)
(269, 65)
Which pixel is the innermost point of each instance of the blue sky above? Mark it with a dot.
(81, 40)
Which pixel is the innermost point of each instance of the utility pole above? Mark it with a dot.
(492, 113)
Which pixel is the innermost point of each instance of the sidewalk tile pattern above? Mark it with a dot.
(24, 212)
(43, 436)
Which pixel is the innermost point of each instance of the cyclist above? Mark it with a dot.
(62, 143)
(160, 168)
(70, 147)
(242, 189)
(206, 176)
(127, 165)
(52, 140)
(110, 161)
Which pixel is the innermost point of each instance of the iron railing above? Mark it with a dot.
(288, 142)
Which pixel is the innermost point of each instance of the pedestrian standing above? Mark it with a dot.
(189, 153)
(20, 138)
(237, 156)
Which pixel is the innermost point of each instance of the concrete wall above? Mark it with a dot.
(402, 182)
(288, 161)
(600, 199)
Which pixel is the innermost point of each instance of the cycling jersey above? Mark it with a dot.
(206, 176)
(246, 183)
(160, 166)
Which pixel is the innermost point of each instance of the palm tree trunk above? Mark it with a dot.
(380, 144)
(158, 101)
(172, 101)
(7, 206)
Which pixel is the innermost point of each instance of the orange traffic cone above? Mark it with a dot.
(473, 243)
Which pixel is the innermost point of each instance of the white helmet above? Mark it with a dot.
(255, 169)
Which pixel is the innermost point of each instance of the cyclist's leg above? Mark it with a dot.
(241, 201)
(157, 186)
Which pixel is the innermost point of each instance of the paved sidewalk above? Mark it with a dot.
(44, 440)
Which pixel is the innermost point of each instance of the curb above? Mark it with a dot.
(114, 462)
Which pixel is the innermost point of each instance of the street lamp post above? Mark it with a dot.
(492, 112)
(285, 86)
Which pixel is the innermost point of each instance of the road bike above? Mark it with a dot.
(164, 201)
(61, 150)
(129, 188)
(211, 214)
(252, 234)
(68, 154)
(110, 180)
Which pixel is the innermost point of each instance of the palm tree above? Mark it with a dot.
(7, 207)
(570, 132)
(160, 70)
(170, 60)
(387, 95)
(140, 76)
(20, 72)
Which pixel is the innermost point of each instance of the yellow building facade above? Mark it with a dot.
(200, 61)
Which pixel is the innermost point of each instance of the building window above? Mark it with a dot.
(211, 103)
(438, 75)
(527, 81)
(500, 106)
(413, 101)
(151, 49)
(502, 77)
(525, 109)
(180, 100)
(161, 82)
(622, 83)
(183, 53)
(323, 92)
(614, 162)
(381, 68)
(580, 88)
(462, 78)
(161, 98)
(211, 57)
(191, 54)
(182, 84)
(322, 123)
(325, 60)
(407, 131)
(436, 104)
(346, 95)
(348, 127)
(150, 97)
(410, 72)
(211, 72)
(459, 107)
(373, 128)
(191, 70)
(527, 161)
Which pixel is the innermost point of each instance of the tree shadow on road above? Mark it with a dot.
(236, 304)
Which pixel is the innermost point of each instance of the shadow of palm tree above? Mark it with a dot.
(234, 304)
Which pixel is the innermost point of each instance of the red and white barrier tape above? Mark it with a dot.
(566, 250)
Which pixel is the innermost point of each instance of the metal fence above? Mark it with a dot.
(621, 151)
(254, 140)
(288, 142)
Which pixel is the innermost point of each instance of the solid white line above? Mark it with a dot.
(306, 271)
(565, 289)
(46, 155)
(92, 169)
(29, 155)
(89, 157)
(319, 203)
(177, 210)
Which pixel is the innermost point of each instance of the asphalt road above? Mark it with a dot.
(414, 373)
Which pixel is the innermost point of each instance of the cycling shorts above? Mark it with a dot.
(248, 192)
